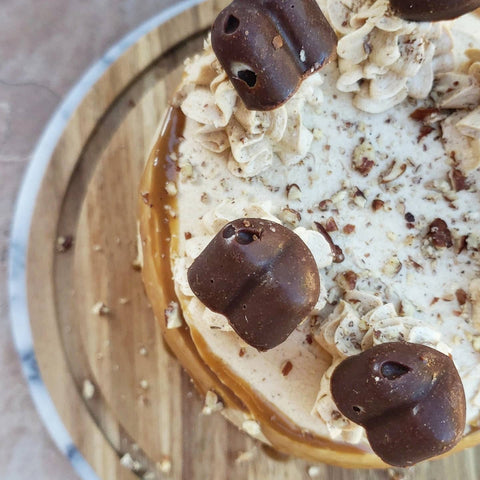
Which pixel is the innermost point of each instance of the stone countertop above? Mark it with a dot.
(44, 48)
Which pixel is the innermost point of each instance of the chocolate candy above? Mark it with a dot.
(261, 276)
(432, 10)
(267, 47)
(409, 398)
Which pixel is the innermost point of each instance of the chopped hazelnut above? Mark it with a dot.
(439, 234)
(324, 205)
(458, 180)
(347, 280)
(377, 204)
(290, 216)
(462, 296)
(394, 171)
(363, 158)
(286, 368)
(293, 192)
(331, 225)
(392, 267)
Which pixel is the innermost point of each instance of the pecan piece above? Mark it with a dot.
(439, 234)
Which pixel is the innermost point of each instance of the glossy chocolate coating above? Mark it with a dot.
(267, 47)
(261, 276)
(408, 397)
(432, 10)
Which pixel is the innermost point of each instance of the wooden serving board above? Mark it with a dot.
(142, 404)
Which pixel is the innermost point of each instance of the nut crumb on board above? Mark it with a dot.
(100, 309)
(88, 390)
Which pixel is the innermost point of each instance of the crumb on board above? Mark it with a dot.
(165, 465)
(246, 456)
(128, 462)
(212, 403)
(88, 390)
(100, 308)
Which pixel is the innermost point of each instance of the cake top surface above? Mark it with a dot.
(378, 151)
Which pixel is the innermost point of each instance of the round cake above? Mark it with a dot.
(310, 227)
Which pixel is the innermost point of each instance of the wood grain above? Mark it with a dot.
(143, 403)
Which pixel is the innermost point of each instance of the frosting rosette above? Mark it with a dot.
(459, 90)
(384, 59)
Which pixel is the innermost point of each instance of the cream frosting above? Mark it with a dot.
(307, 162)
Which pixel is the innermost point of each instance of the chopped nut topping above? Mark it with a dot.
(460, 244)
(427, 115)
(324, 205)
(293, 192)
(394, 171)
(331, 225)
(458, 180)
(347, 280)
(173, 317)
(364, 158)
(415, 264)
(290, 216)
(462, 296)
(359, 198)
(286, 368)
(392, 267)
(439, 234)
(348, 229)
(377, 204)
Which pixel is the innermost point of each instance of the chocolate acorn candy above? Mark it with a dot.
(267, 47)
(261, 276)
(433, 10)
(408, 397)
